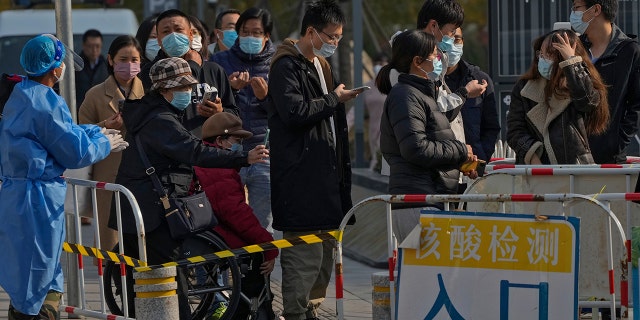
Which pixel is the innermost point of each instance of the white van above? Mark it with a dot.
(18, 26)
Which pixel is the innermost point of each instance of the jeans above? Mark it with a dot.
(258, 182)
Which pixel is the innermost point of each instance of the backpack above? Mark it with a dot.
(7, 82)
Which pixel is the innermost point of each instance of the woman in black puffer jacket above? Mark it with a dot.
(415, 137)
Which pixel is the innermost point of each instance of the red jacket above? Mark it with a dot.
(237, 224)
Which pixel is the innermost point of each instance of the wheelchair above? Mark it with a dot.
(214, 287)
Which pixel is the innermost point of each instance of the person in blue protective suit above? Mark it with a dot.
(39, 141)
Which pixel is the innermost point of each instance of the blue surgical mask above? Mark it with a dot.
(575, 18)
(545, 67)
(326, 50)
(454, 55)
(229, 37)
(236, 147)
(176, 44)
(437, 70)
(251, 45)
(181, 99)
(446, 43)
(152, 48)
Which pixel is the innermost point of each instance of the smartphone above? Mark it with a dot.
(266, 138)
(210, 94)
(361, 89)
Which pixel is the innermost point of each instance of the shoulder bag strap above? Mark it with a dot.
(151, 172)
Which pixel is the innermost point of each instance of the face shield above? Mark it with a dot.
(44, 53)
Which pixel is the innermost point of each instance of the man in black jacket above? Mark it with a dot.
(95, 65)
(617, 58)
(310, 169)
(174, 37)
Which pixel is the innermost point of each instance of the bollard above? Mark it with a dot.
(156, 296)
(381, 310)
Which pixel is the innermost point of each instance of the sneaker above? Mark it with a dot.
(219, 311)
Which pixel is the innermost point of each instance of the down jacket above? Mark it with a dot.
(417, 141)
(253, 112)
(172, 150)
(310, 171)
(554, 131)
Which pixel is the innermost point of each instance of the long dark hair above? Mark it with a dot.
(122, 42)
(597, 120)
(406, 46)
(144, 30)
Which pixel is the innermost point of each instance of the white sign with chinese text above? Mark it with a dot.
(490, 266)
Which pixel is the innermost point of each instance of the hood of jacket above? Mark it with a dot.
(288, 49)
(136, 113)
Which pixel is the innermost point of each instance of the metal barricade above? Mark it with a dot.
(582, 179)
(567, 200)
(78, 283)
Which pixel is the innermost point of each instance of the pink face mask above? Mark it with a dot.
(126, 70)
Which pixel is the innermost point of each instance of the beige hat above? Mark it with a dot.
(224, 123)
(171, 73)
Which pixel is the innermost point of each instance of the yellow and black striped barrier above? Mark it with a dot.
(102, 254)
(141, 266)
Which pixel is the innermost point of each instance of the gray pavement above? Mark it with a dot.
(357, 279)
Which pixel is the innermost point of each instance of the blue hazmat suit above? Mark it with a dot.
(38, 141)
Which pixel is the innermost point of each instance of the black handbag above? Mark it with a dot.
(185, 215)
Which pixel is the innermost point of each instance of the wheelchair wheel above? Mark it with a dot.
(212, 285)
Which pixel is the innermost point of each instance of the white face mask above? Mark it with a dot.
(196, 43)
(64, 69)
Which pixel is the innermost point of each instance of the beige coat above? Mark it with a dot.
(101, 103)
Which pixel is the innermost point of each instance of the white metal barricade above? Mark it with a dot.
(79, 282)
(598, 180)
(567, 200)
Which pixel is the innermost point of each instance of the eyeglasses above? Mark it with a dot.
(334, 39)
(575, 8)
(254, 33)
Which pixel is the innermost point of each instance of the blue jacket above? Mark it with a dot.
(480, 115)
(253, 112)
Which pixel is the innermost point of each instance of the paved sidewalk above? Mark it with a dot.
(357, 282)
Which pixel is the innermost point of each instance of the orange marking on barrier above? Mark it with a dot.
(414, 198)
(542, 171)
(624, 293)
(522, 197)
(612, 287)
(100, 185)
(80, 262)
(632, 196)
(610, 166)
(503, 166)
(69, 309)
